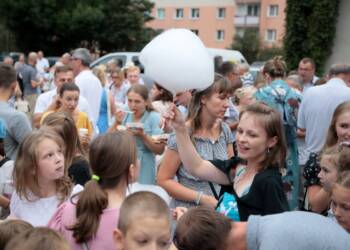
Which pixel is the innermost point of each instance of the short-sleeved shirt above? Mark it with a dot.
(316, 111)
(29, 74)
(265, 195)
(91, 88)
(208, 150)
(37, 211)
(44, 100)
(151, 126)
(295, 230)
(64, 217)
(17, 128)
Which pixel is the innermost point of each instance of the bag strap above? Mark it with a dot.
(84, 246)
(213, 190)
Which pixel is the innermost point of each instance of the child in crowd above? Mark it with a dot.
(334, 161)
(338, 132)
(203, 228)
(39, 238)
(341, 200)
(88, 219)
(144, 222)
(40, 178)
(76, 146)
(10, 229)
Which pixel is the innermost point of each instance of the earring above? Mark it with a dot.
(268, 150)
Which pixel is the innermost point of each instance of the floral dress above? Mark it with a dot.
(281, 97)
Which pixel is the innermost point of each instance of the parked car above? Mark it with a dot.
(121, 57)
(14, 55)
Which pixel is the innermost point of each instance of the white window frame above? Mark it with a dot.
(220, 35)
(272, 10)
(181, 10)
(223, 9)
(158, 11)
(255, 8)
(192, 12)
(273, 34)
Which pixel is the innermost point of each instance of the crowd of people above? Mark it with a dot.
(101, 159)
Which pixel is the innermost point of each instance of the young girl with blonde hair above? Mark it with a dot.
(40, 178)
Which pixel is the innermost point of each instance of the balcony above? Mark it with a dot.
(247, 1)
(251, 21)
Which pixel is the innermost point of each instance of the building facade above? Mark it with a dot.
(217, 21)
(267, 17)
(211, 20)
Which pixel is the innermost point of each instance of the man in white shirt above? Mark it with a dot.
(49, 100)
(306, 72)
(42, 64)
(318, 105)
(90, 86)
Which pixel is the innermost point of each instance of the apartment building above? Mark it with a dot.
(211, 20)
(267, 17)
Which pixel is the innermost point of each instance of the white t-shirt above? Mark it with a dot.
(91, 89)
(37, 212)
(44, 100)
(41, 64)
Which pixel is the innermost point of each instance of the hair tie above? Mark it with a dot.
(95, 177)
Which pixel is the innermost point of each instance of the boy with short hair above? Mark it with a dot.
(144, 222)
(205, 229)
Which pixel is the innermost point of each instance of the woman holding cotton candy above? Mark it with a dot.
(143, 122)
(212, 139)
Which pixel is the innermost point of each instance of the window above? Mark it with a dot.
(253, 10)
(273, 10)
(161, 13)
(221, 13)
(220, 35)
(194, 13)
(270, 35)
(195, 31)
(179, 13)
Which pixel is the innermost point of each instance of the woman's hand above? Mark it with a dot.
(208, 201)
(174, 117)
(119, 116)
(137, 132)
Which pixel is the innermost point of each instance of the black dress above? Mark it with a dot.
(265, 196)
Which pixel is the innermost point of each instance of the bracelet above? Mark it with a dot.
(199, 196)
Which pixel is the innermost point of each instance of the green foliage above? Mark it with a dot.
(248, 44)
(269, 53)
(310, 31)
(56, 26)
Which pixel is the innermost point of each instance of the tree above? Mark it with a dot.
(248, 44)
(310, 31)
(56, 26)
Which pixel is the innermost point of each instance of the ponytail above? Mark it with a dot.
(111, 156)
(92, 201)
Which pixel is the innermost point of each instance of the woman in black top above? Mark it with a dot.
(255, 175)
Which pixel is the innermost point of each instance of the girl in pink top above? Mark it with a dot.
(87, 220)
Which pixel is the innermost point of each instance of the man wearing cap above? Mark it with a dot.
(16, 122)
(89, 85)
